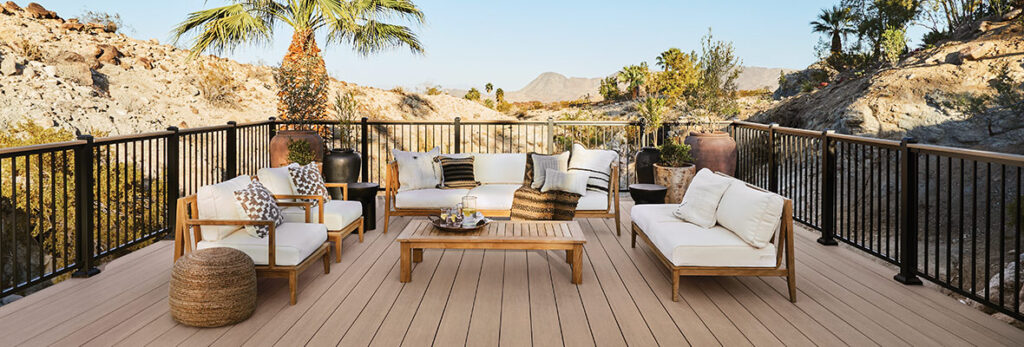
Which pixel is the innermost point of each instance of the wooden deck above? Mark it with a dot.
(485, 298)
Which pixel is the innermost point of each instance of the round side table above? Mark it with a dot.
(647, 193)
(365, 193)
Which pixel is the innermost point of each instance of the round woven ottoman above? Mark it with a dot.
(213, 287)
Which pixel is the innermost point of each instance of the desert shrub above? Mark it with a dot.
(759, 93)
(300, 151)
(489, 103)
(675, 155)
(1009, 93)
(472, 94)
(504, 106)
(842, 62)
(347, 109)
(610, 88)
(111, 22)
(216, 84)
(28, 49)
(933, 38)
(894, 42)
(398, 90)
(435, 90)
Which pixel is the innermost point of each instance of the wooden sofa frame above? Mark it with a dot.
(785, 247)
(185, 242)
(335, 236)
(392, 184)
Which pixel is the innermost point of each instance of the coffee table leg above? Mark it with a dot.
(577, 264)
(406, 261)
(417, 255)
(568, 256)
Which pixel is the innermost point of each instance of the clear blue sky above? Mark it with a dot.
(511, 42)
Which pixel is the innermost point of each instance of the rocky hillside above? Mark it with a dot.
(925, 93)
(88, 78)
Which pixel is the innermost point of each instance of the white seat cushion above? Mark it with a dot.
(593, 201)
(686, 244)
(494, 196)
(752, 214)
(294, 243)
(337, 214)
(429, 198)
(701, 200)
(646, 215)
(499, 168)
(277, 179)
(217, 201)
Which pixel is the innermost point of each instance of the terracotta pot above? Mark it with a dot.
(676, 179)
(715, 151)
(279, 146)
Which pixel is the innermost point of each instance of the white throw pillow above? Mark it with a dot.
(571, 182)
(701, 200)
(597, 163)
(541, 164)
(499, 168)
(417, 170)
(277, 179)
(751, 214)
(217, 201)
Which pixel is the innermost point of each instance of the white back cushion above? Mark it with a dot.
(572, 182)
(277, 179)
(751, 214)
(596, 162)
(217, 201)
(416, 170)
(499, 168)
(701, 200)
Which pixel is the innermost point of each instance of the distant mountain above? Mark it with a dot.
(552, 86)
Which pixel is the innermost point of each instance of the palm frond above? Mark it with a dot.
(375, 36)
(224, 28)
(362, 23)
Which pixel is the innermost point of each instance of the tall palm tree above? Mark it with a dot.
(360, 23)
(634, 76)
(837, 22)
(488, 87)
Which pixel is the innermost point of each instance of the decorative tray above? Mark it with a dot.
(436, 221)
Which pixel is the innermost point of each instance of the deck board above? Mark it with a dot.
(516, 298)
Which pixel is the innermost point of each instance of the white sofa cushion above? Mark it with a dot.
(277, 179)
(596, 162)
(429, 198)
(646, 215)
(686, 244)
(499, 168)
(541, 163)
(701, 200)
(570, 182)
(417, 170)
(294, 243)
(494, 196)
(593, 201)
(217, 201)
(751, 214)
(337, 214)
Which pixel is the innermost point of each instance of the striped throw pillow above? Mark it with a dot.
(456, 173)
(596, 162)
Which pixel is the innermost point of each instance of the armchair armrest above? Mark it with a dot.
(306, 206)
(343, 186)
(271, 231)
(319, 199)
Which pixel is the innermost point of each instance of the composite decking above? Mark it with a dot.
(486, 298)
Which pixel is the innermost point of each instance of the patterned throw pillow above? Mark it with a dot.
(307, 181)
(541, 164)
(258, 203)
(595, 162)
(456, 172)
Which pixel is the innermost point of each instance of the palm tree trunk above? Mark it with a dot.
(304, 58)
(837, 43)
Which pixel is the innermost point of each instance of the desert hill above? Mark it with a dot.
(85, 78)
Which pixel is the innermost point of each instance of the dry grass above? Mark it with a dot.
(216, 84)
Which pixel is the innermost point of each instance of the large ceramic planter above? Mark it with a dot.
(676, 179)
(715, 151)
(644, 164)
(341, 166)
(279, 145)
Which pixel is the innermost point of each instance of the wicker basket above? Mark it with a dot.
(213, 287)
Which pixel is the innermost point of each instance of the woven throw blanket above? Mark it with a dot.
(531, 204)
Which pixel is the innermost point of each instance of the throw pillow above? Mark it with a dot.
(751, 214)
(596, 163)
(257, 203)
(456, 173)
(541, 163)
(571, 182)
(702, 197)
(417, 170)
(307, 181)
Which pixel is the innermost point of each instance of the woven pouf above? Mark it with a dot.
(213, 287)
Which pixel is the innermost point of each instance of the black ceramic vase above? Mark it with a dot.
(341, 166)
(644, 164)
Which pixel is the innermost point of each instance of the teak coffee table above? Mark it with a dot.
(524, 235)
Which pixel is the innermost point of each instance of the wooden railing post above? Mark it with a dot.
(172, 171)
(551, 135)
(828, 189)
(773, 170)
(458, 134)
(84, 233)
(364, 146)
(231, 151)
(908, 214)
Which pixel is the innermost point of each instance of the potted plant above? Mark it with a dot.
(714, 149)
(674, 170)
(341, 165)
(302, 90)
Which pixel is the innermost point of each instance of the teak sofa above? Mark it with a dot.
(689, 250)
(500, 175)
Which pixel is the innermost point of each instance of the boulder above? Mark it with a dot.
(107, 54)
(73, 67)
(146, 63)
(9, 67)
(12, 7)
(37, 11)
(73, 25)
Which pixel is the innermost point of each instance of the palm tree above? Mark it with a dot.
(360, 23)
(837, 22)
(488, 87)
(669, 59)
(634, 76)
(499, 95)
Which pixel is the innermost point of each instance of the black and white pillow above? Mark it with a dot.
(456, 173)
(597, 163)
(258, 203)
(307, 181)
